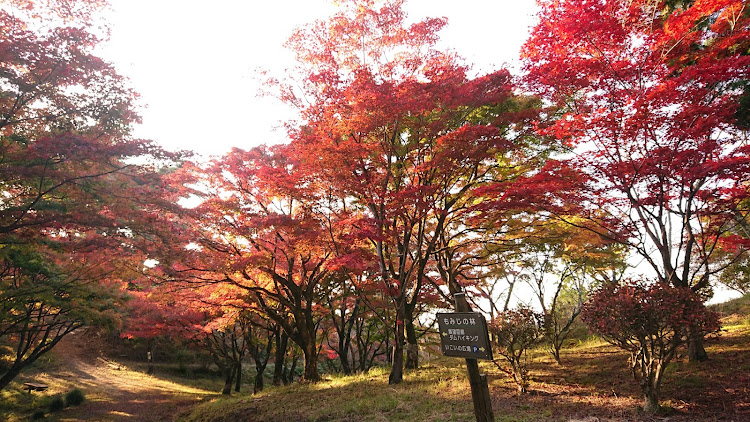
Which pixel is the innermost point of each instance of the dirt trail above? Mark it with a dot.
(114, 392)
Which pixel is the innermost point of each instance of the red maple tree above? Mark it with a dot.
(648, 96)
(650, 321)
(276, 234)
(78, 194)
(398, 129)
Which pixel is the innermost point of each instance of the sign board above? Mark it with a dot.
(464, 335)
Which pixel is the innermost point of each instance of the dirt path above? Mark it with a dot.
(116, 393)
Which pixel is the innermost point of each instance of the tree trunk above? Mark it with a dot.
(651, 402)
(260, 369)
(258, 386)
(228, 372)
(289, 375)
(388, 356)
(519, 376)
(521, 388)
(556, 352)
(345, 367)
(281, 345)
(397, 368)
(696, 351)
(150, 356)
(344, 347)
(311, 363)
(238, 375)
(8, 376)
(412, 355)
(345, 339)
(412, 348)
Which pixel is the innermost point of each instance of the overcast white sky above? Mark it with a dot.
(193, 61)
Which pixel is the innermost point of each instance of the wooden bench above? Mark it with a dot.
(33, 386)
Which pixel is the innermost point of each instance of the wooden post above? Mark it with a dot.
(480, 391)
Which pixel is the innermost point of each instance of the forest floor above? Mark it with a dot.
(113, 391)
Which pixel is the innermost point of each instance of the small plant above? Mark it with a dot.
(74, 397)
(56, 403)
(38, 414)
(514, 332)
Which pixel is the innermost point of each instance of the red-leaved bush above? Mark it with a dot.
(649, 320)
(514, 332)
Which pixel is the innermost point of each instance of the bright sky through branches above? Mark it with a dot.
(194, 61)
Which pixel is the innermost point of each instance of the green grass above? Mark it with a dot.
(439, 391)
(735, 312)
(435, 393)
(593, 381)
(17, 405)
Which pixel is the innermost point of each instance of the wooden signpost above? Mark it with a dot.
(464, 334)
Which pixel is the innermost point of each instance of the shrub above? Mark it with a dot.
(514, 332)
(74, 397)
(38, 414)
(649, 320)
(56, 403)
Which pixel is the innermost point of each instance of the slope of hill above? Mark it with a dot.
(594, 384)
(113, 391)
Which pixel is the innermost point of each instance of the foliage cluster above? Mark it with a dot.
(74, 397)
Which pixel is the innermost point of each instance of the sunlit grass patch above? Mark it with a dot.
(433, 393)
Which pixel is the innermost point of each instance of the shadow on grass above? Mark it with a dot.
(437, 392)
(125, 406)
(718, 389)
(593, 384)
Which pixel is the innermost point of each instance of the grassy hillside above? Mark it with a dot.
(593, 382)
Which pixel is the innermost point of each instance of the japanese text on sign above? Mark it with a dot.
(464, 334)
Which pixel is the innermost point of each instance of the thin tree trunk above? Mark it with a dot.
(345, 338)
(556, 352)
(397, 368)
(696, 351)
(228, 371)
(282, 340)
(150, 356)
(412, 348)
(238, 376)
(344, 347)
(289, 375)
